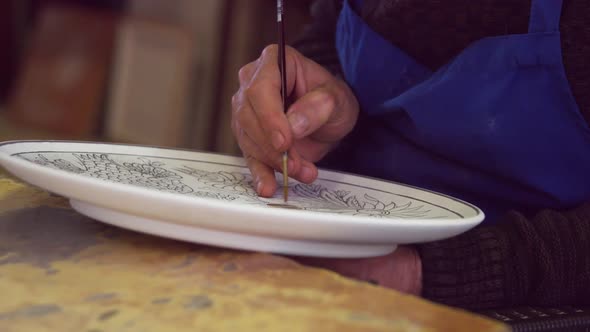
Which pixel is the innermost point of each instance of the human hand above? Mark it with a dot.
(325, 110)
(400, 270)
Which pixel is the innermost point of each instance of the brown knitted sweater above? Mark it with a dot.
(543, 260)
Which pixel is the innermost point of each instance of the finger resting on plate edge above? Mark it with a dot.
(264, 180)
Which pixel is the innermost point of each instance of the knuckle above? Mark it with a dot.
(235, 101)
(330, 103)
(240, 116)
(329, 100)
(270, 50)
(244, 73)
(252, 163)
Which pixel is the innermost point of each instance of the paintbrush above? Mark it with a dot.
(283, 71)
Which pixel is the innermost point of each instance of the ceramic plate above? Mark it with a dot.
(208, 198)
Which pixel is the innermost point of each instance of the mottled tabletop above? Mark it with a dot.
(61, 271)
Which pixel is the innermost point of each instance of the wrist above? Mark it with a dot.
(400, 270)
(418, 280)
(414, 270)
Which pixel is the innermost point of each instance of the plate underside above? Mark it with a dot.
(228, 239)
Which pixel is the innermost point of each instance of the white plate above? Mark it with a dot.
(208, 198)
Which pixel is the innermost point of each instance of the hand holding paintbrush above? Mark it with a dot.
(267, 127)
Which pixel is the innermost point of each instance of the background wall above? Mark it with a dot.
(157, 72)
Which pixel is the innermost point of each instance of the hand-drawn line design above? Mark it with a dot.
(223, 180)
(149, 174)
(350, 204)
(224, 184)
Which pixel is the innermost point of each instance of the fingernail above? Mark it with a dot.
(306, 172)
(277, 139)
(299, 123)
(259, 187)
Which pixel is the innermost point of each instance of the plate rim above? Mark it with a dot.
(359, 176)
(329, 219)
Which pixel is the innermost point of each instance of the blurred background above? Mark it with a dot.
(153, 72)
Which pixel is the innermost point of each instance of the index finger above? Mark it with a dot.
(264, 95)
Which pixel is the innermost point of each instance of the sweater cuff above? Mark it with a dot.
(470, 271)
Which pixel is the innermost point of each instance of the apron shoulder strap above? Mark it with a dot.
(545, 15)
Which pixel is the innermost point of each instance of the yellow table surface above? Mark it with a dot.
(61, 271)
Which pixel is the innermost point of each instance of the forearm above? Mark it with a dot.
(544, 260)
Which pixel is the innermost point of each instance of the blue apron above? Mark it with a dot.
(497, 126)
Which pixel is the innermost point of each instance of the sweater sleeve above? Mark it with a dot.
(318, 39)
(544, 260)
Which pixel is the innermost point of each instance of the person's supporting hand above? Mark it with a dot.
(400, 270)
(324, 111)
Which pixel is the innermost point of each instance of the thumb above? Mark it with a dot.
(311, 112)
